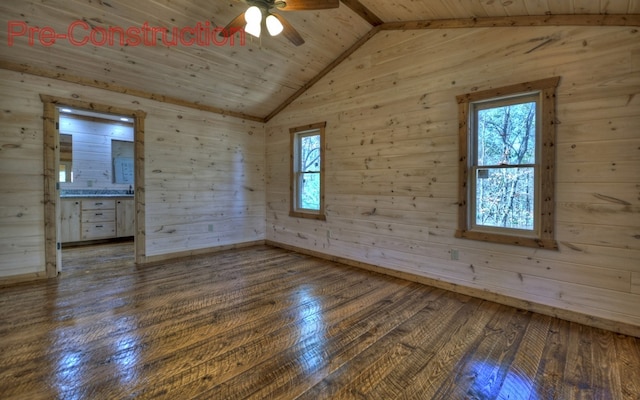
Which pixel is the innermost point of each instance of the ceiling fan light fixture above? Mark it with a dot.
(253, 29)
(274, 26)
(253, 16)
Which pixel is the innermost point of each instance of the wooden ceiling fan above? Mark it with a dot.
(259, 15)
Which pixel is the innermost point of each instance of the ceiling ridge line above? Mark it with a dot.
(363, 12)
(46, 73)
(364, 39)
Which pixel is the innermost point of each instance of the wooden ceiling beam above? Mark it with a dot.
(363, 12)
(519, 21)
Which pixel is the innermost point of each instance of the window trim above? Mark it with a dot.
(544, 236)
(294, 185)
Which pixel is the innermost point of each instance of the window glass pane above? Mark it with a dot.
(310, 191)
(507, 134)
(310, 153)
(505, 197)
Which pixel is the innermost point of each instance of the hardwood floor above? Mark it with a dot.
(264, 322)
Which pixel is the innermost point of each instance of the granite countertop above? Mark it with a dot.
(94, 193)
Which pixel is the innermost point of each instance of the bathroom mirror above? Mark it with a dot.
(122, 161)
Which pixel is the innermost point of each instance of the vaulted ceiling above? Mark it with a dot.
(256, 79)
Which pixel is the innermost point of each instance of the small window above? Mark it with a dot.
(507, 158)
(307, 171)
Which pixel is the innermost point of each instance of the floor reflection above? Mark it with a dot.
(69, 373)
(311, 329)
(515, 386)
(127, 350)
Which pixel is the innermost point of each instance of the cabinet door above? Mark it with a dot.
(98, 204)
(70, 220)
(125, 217)
(98, 230)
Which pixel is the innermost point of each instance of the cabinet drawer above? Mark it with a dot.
(98, 204)
(98, 216)
(98, 230)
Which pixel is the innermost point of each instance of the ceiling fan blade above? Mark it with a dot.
(289, 31)
(301, 5)
(235, 25)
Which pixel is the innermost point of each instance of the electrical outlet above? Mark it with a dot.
(90, 183)
(210, 228)
(454, 254)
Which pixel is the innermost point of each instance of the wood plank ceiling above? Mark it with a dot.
(253, 81)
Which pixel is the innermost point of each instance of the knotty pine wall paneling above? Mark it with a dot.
(204, 174)
(392, 163)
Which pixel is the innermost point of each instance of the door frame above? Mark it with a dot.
(51, 138)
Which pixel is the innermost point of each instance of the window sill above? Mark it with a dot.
(507, 239)
(297, 214)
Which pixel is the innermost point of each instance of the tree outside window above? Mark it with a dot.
(307, 191)
(507, 160)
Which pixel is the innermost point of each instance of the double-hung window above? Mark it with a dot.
(307, 171)
(507, 158)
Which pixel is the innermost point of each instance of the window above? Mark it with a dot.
(507, 159)
(307, 177)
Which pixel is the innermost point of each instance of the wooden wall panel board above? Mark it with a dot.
(31, 260)
(602, 256)
(382, 214)
(200, 137)
(203, 218)
(635, 282)
(167, 200)
(8, 245)
(587, 172)
(194, 229)
(399, 127)
(370, 226)
(188, 184)
(599, 106)
(438, 189)
(185, 206)
(601, 301)
(600, 193)
(360, 160)
(619, 128)
(543, 267)
(411, 178)
(399, 203)
(601, 234)
(430, 159)
(615, 151)
(587, 213)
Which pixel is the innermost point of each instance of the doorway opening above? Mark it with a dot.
(91, 193)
